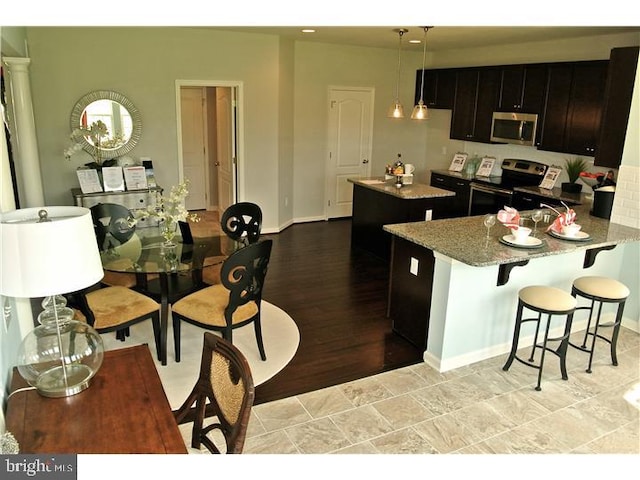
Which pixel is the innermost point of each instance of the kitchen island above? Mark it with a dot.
(377, 202)
(454, 290)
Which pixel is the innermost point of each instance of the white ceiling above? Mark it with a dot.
(438, 38)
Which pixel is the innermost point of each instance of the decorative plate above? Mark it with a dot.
(578, 237)
(530, 242)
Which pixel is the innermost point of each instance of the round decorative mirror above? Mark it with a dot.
(115, 112)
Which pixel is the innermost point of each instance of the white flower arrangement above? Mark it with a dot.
(97, 133)
(170, 210)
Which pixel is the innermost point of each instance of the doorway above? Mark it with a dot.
(208, 143)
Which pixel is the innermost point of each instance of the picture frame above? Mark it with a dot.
(550, 178)
(113, 179)
(458, 161)
(486, 166)
(135, 177)
(89, 180)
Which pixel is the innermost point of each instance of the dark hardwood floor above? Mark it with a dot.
(338, 299)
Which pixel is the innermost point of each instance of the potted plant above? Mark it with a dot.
(573, 168)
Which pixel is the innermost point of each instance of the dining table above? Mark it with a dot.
(165, 272)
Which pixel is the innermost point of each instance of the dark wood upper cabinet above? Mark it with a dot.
(583, 107)
(522, 88)
(573, 107)
(475, 100)
(464, 107)
(439, 87)
(615, 115)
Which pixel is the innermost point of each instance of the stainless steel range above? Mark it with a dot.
(490, 194)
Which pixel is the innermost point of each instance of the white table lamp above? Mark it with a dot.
(47, 252)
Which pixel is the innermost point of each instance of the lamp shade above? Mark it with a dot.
(53, 257)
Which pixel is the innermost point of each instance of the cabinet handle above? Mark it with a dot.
(439, 180)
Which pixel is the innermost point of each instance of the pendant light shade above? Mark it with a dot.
(420, 110)
(396, 110)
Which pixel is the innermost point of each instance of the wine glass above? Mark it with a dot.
(536, 216)
(489, 221)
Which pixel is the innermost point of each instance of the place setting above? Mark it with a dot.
(564, 227)
(520, 236)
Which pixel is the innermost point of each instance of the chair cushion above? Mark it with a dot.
(78, 316)
(207, 306)
(602, 287)
(547, 298)
(119, 279)
(113, 306)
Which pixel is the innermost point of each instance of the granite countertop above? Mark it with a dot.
(495, 179)
(465, 239)
(556, 193)
(408, 192)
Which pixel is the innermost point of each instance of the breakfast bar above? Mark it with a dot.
(454, 286)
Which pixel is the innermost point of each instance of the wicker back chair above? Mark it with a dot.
(225, 381)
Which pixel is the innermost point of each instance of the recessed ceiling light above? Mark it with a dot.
(415, 41)
(308, 30)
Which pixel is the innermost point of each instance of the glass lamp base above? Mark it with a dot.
(59, 359)
(64, 381)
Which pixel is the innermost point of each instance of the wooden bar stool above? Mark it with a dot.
(600, 290)
(543, 300)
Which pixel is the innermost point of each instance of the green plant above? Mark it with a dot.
(574, 167)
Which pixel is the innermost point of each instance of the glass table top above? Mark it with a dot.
(145, 252)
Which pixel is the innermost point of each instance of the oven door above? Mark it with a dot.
(488, 199)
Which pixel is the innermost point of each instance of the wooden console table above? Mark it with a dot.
(124, 410)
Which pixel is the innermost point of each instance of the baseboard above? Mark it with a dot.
(287, 224)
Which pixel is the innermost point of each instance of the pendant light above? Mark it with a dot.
(396, 110)
(420, 110)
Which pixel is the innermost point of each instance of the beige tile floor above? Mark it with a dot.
(478, 409)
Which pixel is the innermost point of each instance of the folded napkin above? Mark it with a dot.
(509, 217)
(563, 218)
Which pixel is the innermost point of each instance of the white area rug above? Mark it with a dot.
(279, 333)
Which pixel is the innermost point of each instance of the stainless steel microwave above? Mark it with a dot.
(518, 128)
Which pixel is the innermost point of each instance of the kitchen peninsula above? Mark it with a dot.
(453, 288)
(377, 202)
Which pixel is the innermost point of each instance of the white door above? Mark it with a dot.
(226, 154)
(350, 137)
(194, 151)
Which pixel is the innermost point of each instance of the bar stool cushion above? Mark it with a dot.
(602, 287)
(550, 299)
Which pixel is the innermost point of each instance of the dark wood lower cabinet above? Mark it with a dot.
(410, 288)
(373, 209)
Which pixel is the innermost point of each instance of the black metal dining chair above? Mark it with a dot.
(234, 303)
(113, 226)
(242, 222)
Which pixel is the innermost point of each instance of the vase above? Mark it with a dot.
(169, 230)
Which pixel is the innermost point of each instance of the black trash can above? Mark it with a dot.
(603, 202)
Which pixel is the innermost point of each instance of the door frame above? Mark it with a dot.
(237, 85)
